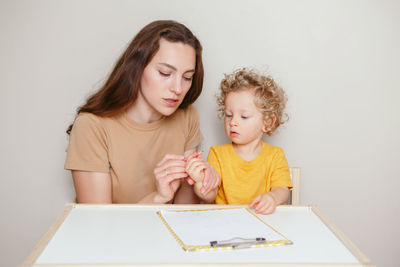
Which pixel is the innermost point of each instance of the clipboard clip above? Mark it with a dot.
(238, 242)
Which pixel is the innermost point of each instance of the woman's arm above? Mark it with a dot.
(92, 187)
(96, 187)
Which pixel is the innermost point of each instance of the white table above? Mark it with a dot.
(134, 235)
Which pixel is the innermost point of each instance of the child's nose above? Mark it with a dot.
(233, 122)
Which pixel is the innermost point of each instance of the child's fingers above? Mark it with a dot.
(267, 210)
(190, 181)
(266, 205)
(195, 169)
(193, 155)
(197, 173)
(198, 168)
(262, 206)
(261, 211)
(192, 162)
(194, 166)
(255, 202)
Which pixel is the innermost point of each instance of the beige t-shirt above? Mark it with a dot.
(129, 150)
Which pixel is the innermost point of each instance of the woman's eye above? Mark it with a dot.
(188, 78)
(164, 74)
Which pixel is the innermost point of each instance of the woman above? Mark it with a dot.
(130, 141)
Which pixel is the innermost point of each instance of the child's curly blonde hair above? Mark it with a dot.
(269, 97)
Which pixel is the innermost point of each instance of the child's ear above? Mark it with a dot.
(269, 123)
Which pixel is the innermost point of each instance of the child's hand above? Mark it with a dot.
(195, 167)
(264, 204)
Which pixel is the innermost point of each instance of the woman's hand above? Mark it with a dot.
(168, 173)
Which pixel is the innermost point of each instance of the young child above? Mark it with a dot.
(251, 171)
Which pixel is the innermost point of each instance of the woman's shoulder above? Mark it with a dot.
(87, 117)
(85, 121)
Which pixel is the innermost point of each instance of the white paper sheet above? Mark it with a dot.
(200, 227)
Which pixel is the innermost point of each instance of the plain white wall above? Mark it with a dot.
(339, 62)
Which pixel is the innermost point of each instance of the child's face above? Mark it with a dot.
(244, 122)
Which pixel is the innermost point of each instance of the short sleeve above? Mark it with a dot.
(281, 174)
(87, 150)
(194, 136)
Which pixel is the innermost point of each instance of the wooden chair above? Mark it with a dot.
(294, 197)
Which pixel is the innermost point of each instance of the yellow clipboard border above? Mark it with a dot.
(185, 247)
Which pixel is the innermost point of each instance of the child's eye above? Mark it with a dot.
(164, 74)
(244, 117)
(228, 115)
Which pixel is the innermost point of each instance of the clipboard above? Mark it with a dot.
(220, 229)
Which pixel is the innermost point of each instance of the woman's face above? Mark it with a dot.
(166, 79)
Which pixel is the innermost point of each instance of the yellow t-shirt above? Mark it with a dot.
(129, 150)
(241, 180)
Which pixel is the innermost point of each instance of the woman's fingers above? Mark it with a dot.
(170, 166)
(170, 157)
(168, 178)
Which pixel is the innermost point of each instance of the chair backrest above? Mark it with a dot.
(294, 197)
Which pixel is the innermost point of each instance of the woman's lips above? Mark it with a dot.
(172, 102)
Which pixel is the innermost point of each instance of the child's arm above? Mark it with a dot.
(267, 203)
(196, 168)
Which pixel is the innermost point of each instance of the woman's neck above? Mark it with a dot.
(250, 150)
(141, 112)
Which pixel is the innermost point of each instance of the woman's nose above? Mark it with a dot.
(177, 87)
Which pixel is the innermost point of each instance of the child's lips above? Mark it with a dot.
(233, 133)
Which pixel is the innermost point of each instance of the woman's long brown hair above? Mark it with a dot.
(122, 86)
